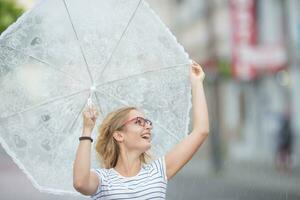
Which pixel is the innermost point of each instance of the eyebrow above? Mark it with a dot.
(136, 117)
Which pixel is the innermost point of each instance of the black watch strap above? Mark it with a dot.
(85, 138)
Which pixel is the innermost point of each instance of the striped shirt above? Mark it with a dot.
(149, 183)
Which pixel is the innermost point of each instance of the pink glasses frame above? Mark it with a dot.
(147, 121)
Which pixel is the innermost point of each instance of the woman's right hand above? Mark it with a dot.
(90, 115)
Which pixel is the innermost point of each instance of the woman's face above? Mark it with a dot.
(136, 136)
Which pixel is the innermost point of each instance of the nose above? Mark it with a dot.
(148, 126)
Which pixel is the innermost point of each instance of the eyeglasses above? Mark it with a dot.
(140, 121)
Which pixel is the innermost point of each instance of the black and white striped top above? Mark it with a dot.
(149, 183)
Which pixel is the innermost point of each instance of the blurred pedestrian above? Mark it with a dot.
(284, 145)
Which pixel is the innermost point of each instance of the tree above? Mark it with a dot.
(9, 13)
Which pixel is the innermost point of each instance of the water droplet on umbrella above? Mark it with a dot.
(36, 41)
(4, 70)
(119, 89)
(19, 141)
(45, 117)
(46, 144)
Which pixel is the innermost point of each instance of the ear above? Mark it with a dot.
(118, 136)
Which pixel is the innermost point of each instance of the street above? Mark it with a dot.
(194, 182)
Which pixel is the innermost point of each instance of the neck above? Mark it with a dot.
(128, 164)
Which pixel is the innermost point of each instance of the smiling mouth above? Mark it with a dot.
(146, 136)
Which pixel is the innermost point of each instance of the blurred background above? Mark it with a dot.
(250, 52)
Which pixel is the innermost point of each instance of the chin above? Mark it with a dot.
(147, 147)
(144, 146)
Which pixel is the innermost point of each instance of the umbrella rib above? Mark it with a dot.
(112, 96)
(100, 110)
(41, 61)
(126, 104)
(118, 43)
(44, 103)
(167, 131)
(80, 47)
(98, 102)
(150, 71)
(73, 123)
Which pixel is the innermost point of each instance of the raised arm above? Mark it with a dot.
(85, 181)
(177, 157)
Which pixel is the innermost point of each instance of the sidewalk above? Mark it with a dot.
(243, 180)
(249, 174)
(15, 185)
(264, 175)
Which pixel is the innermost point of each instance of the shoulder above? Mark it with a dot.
(103, 177)
(157, 163)
(102, 173)
(157, 166)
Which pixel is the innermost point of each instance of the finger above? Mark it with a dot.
(86, 114)
(94, 107)
(94, 110)
(88, 108)
(87, 111)
(198, 68)
(196, 65)
(95, 114)
(192, 70)
(91, 112)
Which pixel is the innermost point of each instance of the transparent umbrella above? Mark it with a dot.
(63, 52)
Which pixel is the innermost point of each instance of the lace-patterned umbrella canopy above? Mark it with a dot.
(59, 53)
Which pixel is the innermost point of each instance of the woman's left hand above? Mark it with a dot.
(197, 75)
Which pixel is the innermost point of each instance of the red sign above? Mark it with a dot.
(249, 59)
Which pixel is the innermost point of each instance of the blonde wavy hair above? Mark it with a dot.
(107, 148)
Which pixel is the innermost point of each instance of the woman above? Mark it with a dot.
(122, 144)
